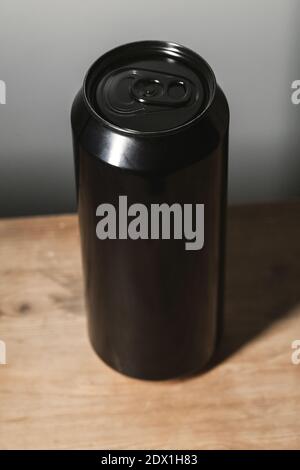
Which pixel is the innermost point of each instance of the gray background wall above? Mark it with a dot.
(46, 47)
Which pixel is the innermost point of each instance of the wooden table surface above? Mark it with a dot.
(55, 393)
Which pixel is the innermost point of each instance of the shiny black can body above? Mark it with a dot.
(154, 308)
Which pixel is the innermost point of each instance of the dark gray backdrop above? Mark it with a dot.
(46, 47)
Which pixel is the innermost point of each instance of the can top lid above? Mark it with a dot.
(149, 87)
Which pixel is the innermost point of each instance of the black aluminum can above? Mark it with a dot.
(150, 128)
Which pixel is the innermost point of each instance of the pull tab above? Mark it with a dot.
(157, 89)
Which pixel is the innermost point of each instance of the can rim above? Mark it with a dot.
(172, 48)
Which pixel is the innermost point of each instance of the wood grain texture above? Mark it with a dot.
(55, 393)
